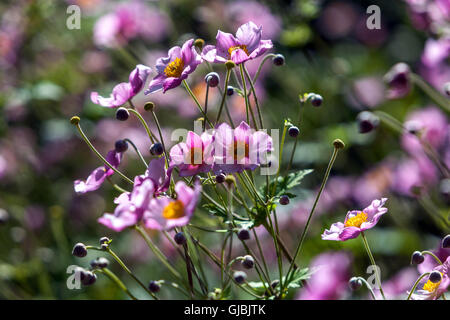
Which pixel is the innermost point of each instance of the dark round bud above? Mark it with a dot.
(230, 90)
(355, 283)
(220, 178)
(121, 146)
(417, 257)
(446, 241)
(89, 279)
(104, 246)
(248, 262)
(338, 144)
(435, 276)
(103, 240)
(93, 263)
(79, 250)
(447, 88)
(156, 149)
(278, 60)
(212, 79)
(154, 286)
(240, 276)
(75, 120)
(316, 100)
(284, 200)
(80, 273)
(367, 121)
(180, 238)
(293, 131)
(149, 106)
(4, 216)
(274, 283)
(230, 64)
(413, 127)
(102, 262)
(243, 234)
(122, 114)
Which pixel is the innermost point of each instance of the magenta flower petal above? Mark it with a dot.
(122, 218)
(249, 34)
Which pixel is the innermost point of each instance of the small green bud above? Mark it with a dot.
(338, 144)
(75, 120)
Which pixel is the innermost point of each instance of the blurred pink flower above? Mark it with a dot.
(330, 278)
(418, 171)
(397, 286)
(431, 290)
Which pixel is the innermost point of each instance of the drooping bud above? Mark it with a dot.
(338, 144)
(435, 276)
(149, 106)
(446, 241)
(220, 178)
(154, 286)
(212, 79)
(230, 64)
(122, 114)
(104, 240)
(417, 257)
(243, 234)
(239, 277)
(284, 200)
(398, 81)
(316, 100)
(248, 262)
(75, 120)
(79, 250)
(367, 121)
(121, 146)
(278, 60)
(89, 279)
(293, 131)
(180, 238)
(156, 149)
(230, 90)
(355, 283)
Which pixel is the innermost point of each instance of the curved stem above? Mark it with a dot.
(368, 287)
(433, 255)
(117, 281)
(255, 98)
(224, 95)
(372, 261)
(137, 151)
(416, 284)
(431, 92)
(188, 89)
(247, 103)
(85, 138)
(267, 57)
(161, 137)
(144, 123)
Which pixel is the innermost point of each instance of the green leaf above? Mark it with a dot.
(285, 183)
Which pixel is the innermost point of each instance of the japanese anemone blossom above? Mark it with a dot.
(431, 290)
(159, 175)
(247, 45)
(98, 176)
(240, 148)
(124, 91)
(165, 213)
(398, 81)
(175, 68)
(130, 205)
(356, 222)
(193, 156)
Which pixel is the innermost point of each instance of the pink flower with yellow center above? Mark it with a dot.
(247, 45)
(165, 213)
(356, 221)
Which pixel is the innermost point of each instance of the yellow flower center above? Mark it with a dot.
(357, 220)
(431, 286)
(175, 68)
(242, 46)
(174, 210)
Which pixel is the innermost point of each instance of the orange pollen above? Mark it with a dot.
(242, 47)
(175, 68)
(174, 210)
(357, 220)
(430, 286)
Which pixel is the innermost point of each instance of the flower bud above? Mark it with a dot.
(447, 88)
(100, 262)
(355, 283)
(446, 241)
(220, 178)
(75, 120)
(199, 43)
(4, 216)
(243, 234)
(80, 273)
(230, 90)
(122, 114)
(121, 146)
(274, 283)
(180, 238)
(284, 200)
(104, 240)
(154, 286)
(89, 278)
(398, 80)
(248, 262)
(367, 121)
(293, 131)
(104, 246)
(79, 250)
(338, 144)
(230, 180)
(278, 60)
(417, 257)
(156, 149)
(230, 64)
(435, 276)
(316, 100)
(239, 277)
(149, 106)
(212, 79)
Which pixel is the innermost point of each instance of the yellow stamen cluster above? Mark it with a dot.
(431, 286)
(357, 220)
(175, 68)
(242, 47)
(174, 210)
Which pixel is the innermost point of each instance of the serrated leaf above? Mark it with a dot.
(285, 183)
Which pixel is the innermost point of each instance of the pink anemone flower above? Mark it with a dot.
(124, 91)
(356, 222)
(434, 290)
(247, 45)
(166, 213)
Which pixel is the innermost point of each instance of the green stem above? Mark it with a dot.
(254, 97)
(270, 55)
(137, 152)
(433, 255)
(100, 156)
(300, 109)
(144, 123)
(372, 261)
(161, 137)
(117, 281)
(224, 95)
(188, 89)
(423, 275)
(248, 108)
(368, 287)
(280, 157)
(431, 92)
